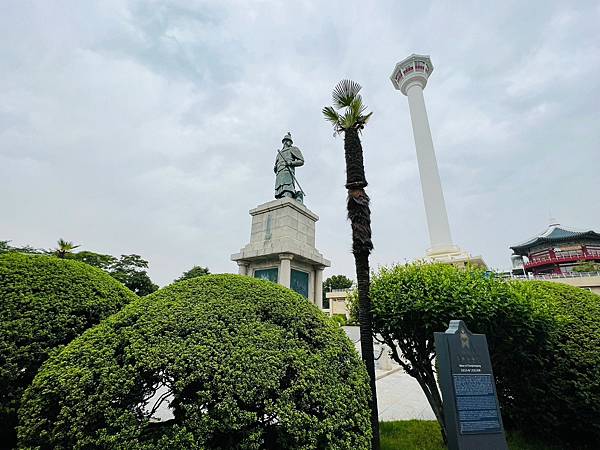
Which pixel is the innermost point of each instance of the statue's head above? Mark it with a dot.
(287, 140)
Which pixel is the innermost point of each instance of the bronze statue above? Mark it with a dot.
(288, 158)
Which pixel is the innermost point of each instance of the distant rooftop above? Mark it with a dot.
(554, 233)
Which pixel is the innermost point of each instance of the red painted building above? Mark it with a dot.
(557, 250)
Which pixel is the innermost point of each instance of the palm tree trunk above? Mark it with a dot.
(366, 337)
(359, 214)
(355, 168)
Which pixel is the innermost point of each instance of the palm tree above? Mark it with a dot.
(64, 248)
(351, 123)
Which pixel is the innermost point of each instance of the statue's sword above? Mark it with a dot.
(290, 171)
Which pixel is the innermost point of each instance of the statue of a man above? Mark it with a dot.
(288, 158)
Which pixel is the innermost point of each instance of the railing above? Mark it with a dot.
(567, 255)
(567, 275)
(563, 257)
(559, 256)
(549, 276)
(339, 290)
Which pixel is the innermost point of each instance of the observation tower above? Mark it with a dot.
(410, 77)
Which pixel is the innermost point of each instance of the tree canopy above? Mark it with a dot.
(543, 340)
(131, 270)
(104, 262)
(196, 271)
(64, 248)
(44, 303)
(128, 269)
(5, 247)
(231, 361)
(337, 282)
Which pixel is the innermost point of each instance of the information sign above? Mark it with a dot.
(471, 408)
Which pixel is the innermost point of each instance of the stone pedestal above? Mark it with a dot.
(282, 248)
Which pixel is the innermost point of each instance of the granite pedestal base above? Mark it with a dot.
(282, 248)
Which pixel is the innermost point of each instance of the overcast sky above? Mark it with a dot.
(151, 127)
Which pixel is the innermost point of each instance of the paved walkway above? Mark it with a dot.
(399, 396)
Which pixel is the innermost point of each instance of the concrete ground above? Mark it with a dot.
(399, 396)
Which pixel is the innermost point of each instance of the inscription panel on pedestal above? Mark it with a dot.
(267, 274)
(299, 282)
(476, 404)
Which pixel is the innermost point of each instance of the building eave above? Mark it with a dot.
(521, 249)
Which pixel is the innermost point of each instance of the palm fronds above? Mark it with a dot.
(64, 248)
(346, 95)
(345, 92)
(331, 115)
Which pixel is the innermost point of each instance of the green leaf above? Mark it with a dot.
(331, 115)
(45, 302)
(348, 119)
(543, 339)
(245, 360)
(346, 95)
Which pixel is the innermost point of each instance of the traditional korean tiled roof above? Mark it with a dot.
(554, 233)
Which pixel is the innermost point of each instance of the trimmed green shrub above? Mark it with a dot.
(543, 340)
(45, 302)
(566, 398)
(239, 363)
(339, 319)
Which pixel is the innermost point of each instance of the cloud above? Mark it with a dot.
(151, 127)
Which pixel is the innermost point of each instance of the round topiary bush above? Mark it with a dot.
(544, 340)
(564, 398)
(226, 361)
(45, 302)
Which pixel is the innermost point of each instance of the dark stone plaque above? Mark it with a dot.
(299, 282)
(267, 274)
(471, 409)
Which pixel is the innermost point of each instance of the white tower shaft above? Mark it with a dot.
(433, 196)
(410, 77)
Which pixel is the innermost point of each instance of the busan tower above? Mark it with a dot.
(410, 77)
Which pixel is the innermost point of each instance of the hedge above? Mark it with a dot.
(544, 340)
(45, 302)
(566, 398)
(243, 363)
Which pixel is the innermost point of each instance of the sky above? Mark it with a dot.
(152, 127)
